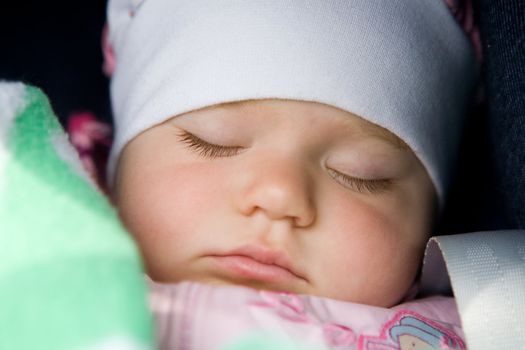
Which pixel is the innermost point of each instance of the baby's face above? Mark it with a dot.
(280, 195)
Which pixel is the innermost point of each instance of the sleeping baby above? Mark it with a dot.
(282, 164)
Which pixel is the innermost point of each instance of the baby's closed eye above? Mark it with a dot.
(210, 150)
(207, 149)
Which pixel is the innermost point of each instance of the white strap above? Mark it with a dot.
(487, 275)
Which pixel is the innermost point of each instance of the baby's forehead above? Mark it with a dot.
(288, 108)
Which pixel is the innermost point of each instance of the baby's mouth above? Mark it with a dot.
(255, 263)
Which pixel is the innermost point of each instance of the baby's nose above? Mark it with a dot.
(280, 188)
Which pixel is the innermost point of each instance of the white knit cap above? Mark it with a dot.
(402, 64)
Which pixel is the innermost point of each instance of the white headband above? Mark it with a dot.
(402, 64)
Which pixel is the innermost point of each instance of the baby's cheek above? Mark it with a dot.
(364, 227)
(169, 215)
(371, 252)
(185, 190)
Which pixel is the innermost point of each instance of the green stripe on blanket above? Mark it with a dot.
(70, 276)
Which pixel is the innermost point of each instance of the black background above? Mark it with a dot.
(55, 45)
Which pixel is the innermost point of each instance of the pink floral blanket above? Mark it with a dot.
(202, 316)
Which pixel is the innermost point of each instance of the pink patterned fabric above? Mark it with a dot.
(463, 11)
(194, 316)
(92, 140)
(109, 55)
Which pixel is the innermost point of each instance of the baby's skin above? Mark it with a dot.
(281, 195)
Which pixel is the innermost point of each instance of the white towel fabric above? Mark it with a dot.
(402, 64)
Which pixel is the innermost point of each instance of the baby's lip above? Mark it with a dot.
(258, 262)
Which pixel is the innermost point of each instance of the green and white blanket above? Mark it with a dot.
(70, 276)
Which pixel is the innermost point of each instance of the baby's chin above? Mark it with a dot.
(215, 281)
(262, 286)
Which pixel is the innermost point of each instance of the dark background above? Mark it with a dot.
(55, 45)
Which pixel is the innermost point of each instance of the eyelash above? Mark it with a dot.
(362, 185)
(206, 149)
(210, 150)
